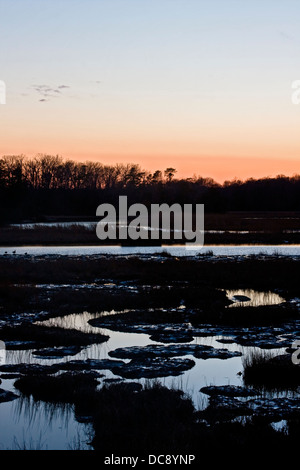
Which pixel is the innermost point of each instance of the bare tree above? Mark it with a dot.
(169, 174)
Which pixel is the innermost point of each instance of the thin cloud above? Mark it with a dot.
(47, 92)
(286, 36)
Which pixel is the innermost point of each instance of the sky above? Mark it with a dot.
(204, 86)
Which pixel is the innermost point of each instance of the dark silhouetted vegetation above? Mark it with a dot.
(256, 272)
(50, 336)
(64, 388)
(267, 370)
(48, 185)
(135, 419)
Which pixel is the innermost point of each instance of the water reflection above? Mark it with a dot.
(218, 250)
(27, 424)
(210, 371)
(252, 298)
(91, 225)
(77, 321)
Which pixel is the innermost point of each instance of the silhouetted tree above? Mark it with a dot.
(169, 174)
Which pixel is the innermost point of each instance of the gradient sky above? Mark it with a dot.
(201, 85)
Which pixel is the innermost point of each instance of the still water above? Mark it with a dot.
(38, 425)
(252, 298)
(218, 250)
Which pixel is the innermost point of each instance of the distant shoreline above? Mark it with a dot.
(231, 228)
(66, 237)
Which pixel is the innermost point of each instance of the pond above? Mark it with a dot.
(30, 424)
(252, 298)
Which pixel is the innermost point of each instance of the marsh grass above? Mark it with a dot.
(150, 418)
(50, 336)
(58, 300)
(259, 228)
(154, 418)
(14, 298)
(62, 388)
(163, 253)
(165, 420)
(40, 443)
(267, 272)
(206, 253)
(256, 357)
(270, 370)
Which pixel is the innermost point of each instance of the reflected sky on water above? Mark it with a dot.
(218, 250)
(38, 425)
(256, 299)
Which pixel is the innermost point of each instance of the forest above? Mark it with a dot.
(33, 188)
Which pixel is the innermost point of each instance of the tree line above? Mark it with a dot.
(52, 172)
(49, 185)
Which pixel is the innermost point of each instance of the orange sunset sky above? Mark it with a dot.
(202, 86)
